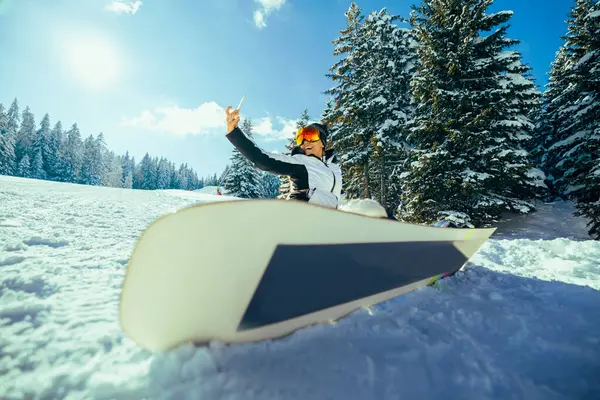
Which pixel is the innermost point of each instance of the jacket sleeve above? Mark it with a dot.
(279, 164)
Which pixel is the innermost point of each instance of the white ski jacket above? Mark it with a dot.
(313, 179)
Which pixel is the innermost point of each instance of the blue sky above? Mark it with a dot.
(154, 76)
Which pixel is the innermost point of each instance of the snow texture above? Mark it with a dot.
(594, 14)
(366, 207)
(522, 320)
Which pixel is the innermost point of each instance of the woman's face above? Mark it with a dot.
(314, 148)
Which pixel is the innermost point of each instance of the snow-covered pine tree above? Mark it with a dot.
(113, 175)
(385, 101)
(103, 153)
(92, 171)
(137, 177)
(573, 157)
(554, 98)
(37, 168)
(270, 185)
(128, 182)
(14, 118)
(71, 156)
(537, 145)
(285, 185)
(473, 98)
(171, 175)
(347, 125)
(197, 184)
(26, 135)
(7, 146)
(223, 177)
(24, 167)
(52, 160)
(163, 178)
(371, 103)
(128, 166)
(243, 179)
(40, 148)
(175, 178)
(183, 176)
(148, 173)
(10, 138)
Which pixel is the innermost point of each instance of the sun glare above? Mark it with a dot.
(92, 61)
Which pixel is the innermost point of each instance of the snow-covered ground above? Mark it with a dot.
(523, 321)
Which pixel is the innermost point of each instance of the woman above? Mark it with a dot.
(314, 176)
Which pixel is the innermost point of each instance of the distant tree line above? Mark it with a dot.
(43, 152)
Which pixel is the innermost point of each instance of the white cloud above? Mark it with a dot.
(259, 19)
(264, 128)
(124, 6)
(266, 7)
(180, 121)
(207, 118)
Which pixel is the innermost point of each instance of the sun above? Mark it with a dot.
(93, 61)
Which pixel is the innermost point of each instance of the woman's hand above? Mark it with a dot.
(232, 118)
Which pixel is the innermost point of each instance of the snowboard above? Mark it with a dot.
(250, 270)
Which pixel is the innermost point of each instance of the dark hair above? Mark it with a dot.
(323, 132)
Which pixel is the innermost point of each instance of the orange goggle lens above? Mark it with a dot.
(310, 134)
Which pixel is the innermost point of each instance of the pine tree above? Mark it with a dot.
(128, 166)
(71, 156)
(7, 146)
(148, 173)
(175, 178)
(346, 123)
(573, 102)
(183, 177)
(473, 97)
(386, 103)
(26, 135)
(24, 168)
(113, 176)
(14, 118)
(40, 148)
(270, 185)
(371, 103)
(37, 168)
(92, 171)
(223, 177)
(52, 160)
(243, 179)
(128, 183)
(285, 185)
(10, 140)
(103, 156)
(163, 179)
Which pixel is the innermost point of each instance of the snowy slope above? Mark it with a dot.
(522, 322)
(211, 190)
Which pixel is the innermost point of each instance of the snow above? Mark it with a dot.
(571, 139)
(473, 176)
(387, 124)
(380, 99)
(514, 79)
(584, 59)
(594, 14)
(521, 321)
(367, 207)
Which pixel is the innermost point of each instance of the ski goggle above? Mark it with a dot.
(310, 134)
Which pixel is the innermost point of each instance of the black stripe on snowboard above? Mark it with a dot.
(301, 279)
